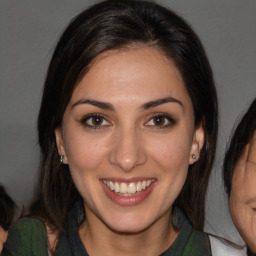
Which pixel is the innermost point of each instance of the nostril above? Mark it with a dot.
(127, 158)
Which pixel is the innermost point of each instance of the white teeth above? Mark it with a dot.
(128, 188)
(131, 188)
(149, 182)
(123, 188)
(111, 185)
(117, 187)
(139, 186)
(144, 184)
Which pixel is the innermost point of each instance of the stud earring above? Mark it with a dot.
(194, 156)
(61, 159)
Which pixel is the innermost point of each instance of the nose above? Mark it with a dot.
(128, 150)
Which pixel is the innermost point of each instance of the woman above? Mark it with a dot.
(127, 129)
(240, 177)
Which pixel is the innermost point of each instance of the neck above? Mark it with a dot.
(152, 241)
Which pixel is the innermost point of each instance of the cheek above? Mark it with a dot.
(171, 157)
(243, 215)
(171, 152)
(85, 153)
(243, 188)
(84, 156)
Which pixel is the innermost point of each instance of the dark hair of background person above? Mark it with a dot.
(241, 137)
(7, 209)
(113, 25)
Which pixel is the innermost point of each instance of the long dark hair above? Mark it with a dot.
(7, 209)
(116, 24)
(241, 137)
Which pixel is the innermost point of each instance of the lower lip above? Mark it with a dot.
(132, 200)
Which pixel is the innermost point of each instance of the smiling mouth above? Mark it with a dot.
(128, 189)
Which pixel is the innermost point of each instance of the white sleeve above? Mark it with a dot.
(219, 248)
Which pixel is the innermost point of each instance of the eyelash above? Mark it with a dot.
(85, 121)
(89, 118)
(167, 118)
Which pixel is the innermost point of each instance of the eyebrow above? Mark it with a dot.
(109, 106)
(158, 102)
(99, 104)
(250, 200)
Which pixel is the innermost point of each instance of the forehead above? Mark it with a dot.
(129, 74)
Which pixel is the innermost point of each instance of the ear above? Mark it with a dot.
(60, 144)
(197, 144)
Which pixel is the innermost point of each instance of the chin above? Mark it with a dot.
(128, 229)
(128, 224)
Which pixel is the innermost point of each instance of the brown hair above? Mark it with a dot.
(115, 24)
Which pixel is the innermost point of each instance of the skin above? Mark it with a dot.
(243, 195)
(128, 144)
(3, 237)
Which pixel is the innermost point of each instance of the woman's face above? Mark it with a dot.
(128, 137)
(243, 195)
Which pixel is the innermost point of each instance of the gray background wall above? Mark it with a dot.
(29, 30)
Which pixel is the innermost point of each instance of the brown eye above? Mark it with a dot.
(95, 121)
(160, 121)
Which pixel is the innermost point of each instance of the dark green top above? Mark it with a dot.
(28, 238)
